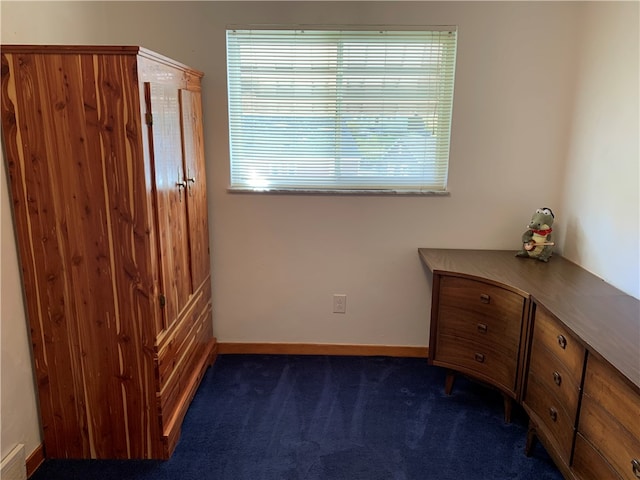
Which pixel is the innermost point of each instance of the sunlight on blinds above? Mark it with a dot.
(340, 110)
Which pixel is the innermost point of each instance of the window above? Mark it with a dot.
(345, 111)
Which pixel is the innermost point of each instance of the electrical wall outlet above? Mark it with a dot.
(339, 303)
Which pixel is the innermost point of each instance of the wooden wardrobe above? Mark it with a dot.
(104, 149)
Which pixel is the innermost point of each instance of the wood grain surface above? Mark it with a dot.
(605, 319)
(610, 417)
(96, 259)
(581, 386)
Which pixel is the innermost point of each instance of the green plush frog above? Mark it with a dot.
(536, 241)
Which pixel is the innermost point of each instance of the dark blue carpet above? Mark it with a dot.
(283, 417)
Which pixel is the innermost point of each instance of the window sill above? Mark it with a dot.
(372, 192)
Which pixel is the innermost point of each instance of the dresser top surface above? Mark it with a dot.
(606, 319)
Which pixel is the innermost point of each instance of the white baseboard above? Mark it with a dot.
(14, 466)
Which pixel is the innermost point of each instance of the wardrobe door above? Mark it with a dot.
(164, 120)
(194, 165)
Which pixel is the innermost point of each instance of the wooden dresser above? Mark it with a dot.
(553, 337)
(104, 148)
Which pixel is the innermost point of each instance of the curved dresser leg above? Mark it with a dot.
(448, 383)
(508, 403)
(531, 440)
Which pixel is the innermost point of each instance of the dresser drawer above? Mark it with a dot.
(552, 391)
(610, 418)
(479, 327)
(486, 361)
(556, 377)
(551, 416)
(480, 299)
(549, 333)
(501, 333)
(589, 464)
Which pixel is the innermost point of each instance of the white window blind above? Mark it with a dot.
(346, 110)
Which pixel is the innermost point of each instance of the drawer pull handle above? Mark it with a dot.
(484, 298)
(553, 413)
(482, 328)
(479, 357)
(557, 378)
(635, 466)
(562, 341)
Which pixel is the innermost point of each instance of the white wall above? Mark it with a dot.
(277, 259)
(601, 195)
(18, 410)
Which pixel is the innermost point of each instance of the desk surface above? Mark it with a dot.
(605, 318)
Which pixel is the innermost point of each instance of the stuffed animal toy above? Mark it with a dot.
(536, 241)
